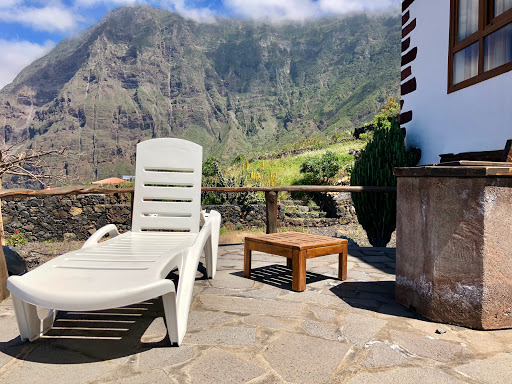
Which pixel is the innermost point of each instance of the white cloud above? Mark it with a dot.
(302, 9)
(115, 3)
(50, 18)
(187, 9)
(16, 55)
(272, 9)
(344, 6)
(9, 3)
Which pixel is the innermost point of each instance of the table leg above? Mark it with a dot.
(247, 260)
(298, 271)
(289, 262)
(342, 263)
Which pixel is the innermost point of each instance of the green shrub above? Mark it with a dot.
(376, 212)
(18, 238)
(368, 136)
(238, 159)
(318, 170)
(213, 177)
(210, 167)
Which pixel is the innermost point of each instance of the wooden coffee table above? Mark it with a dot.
(297, 247)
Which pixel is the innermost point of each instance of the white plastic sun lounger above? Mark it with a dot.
(132, 267)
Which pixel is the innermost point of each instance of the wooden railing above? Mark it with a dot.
(271, 194)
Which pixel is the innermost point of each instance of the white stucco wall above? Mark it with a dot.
(476, 118)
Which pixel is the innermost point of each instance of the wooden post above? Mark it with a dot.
(271, 204)
(4, 293)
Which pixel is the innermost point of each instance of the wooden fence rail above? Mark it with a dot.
(87, 189)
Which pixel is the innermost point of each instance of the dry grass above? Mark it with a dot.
(36, 253)
(237, 237)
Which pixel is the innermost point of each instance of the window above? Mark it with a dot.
(480, 41)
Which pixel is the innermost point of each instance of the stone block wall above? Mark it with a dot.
(77, 217)
(65, 217)
(245, 216)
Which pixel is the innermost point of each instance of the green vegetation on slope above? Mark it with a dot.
(286, 170)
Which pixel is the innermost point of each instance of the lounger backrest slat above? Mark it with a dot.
(167, 186)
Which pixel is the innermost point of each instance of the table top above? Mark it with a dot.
(296, 240)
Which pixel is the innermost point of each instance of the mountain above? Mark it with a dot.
(234, 86)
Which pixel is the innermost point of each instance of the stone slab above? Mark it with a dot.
(222, 336)
(325, 331)
(218, 366)
(360, 329)
(249, 306)
(382, 353)
(66, 367)
(258, 292)
(430, 346)
(322, 313)
(493, 370)
(164, 357)
(406, 376)
(266, 321)
(228, 279)
(201, 320)
(152, 377)
(310, 363)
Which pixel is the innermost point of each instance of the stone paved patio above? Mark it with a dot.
(259, 331)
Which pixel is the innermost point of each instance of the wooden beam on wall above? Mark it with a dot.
(406, 44)
(405, 117)
(405, 73)
(409, 56)
(408, 87)
(408, 28)
(406, 4)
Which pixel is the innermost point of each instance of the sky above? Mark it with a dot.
(29, 29)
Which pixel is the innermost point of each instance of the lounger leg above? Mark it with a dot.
(208, 257)
(211, 250)
(29, 323)
(171, 317)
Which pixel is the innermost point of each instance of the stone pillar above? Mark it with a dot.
(454, 244)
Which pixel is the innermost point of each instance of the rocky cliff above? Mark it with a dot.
(233, 86)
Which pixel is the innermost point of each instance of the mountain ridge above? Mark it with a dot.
(234, 86)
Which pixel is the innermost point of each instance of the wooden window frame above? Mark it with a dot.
(486, 26)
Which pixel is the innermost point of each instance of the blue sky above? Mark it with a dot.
(31, 28)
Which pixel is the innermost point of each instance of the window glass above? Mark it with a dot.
(465, 63)
(468, 18)
(498, 48)
(501, 6)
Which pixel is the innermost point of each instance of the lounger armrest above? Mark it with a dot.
(212, 215)
(98, 235)
(202, 218)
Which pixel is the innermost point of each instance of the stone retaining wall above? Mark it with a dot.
(65, 217)
(77, 217)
